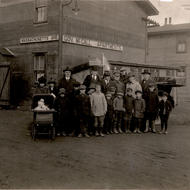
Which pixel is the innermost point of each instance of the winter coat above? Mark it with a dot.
(152, 102)
(134, 86)
(145, 87)
(68, 85)
(110, 107)
(128, 104)
(139, 108)
(105, 87)
(89, 81)
(98, 104)
(165, 108)
(120, 87)
(62, 106)
(118, 104)
(83, 105)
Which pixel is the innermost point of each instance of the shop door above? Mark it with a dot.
(5, 84)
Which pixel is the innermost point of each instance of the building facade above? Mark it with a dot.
(45, 36)
(169, 45)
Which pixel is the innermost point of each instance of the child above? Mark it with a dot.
(152, 102)
(62, 107)
(109, 115)
(139, 109)
(99, 109)
(83, 111)
(41, 106)
(118, 112)
(165, 108)
(128, 105)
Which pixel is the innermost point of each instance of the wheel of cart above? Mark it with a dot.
(43, 120)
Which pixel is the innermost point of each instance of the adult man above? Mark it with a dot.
(123, 75)
(69, 84)
(146, 81)
(133, 84)
(116, 82)
(105, 83)
(92, 78)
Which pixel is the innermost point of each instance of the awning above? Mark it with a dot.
(6, 52)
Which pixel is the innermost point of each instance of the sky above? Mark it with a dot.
(179, 10)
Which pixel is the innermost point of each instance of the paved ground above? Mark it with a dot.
(143, 161)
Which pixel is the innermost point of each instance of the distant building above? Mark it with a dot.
(30, 34)
(169, 45)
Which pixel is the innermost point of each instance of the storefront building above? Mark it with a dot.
(45, 36)
(169, 45)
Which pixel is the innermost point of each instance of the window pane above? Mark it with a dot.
(41, 14)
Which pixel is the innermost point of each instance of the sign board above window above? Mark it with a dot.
(73, 40)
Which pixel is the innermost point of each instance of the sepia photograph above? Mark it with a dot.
(95, 94)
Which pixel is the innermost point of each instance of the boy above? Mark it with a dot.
(152, 102)
(165, 108)
(62, 107)
(99, 109)
(109, 115)
(83, 111)
(128, 105)
(139, 109)
(118, 112)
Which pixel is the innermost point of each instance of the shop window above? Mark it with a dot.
(39, 65)
(40, 11)
(181, 47)
(170, 73)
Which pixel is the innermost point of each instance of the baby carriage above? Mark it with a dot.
(43, 120)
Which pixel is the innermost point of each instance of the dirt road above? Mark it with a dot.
(143, 161)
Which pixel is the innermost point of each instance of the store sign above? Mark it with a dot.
(91, 43)
(73, 40)
(39, 39)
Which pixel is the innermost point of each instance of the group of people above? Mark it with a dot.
(116, 103)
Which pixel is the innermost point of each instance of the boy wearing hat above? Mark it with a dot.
(52, 88)
(62, 107)
(99, 109)
(129, 108)
(139, 109)
(109, 115)
(165, 108)
(151, 113)
(83, 111)
(118, 112)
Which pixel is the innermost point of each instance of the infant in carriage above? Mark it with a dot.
(41, 106)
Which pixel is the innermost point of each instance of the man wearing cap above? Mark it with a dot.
(93, 78)
(116, 82)
(106, 82)
(133, 84)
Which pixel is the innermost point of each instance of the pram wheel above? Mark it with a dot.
(33, 132)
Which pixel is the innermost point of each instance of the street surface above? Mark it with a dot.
(145, 161)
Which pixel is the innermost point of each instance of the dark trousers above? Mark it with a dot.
(83, 124)
(138, 123)
(164, 121)
(99, 123)
(118, 117)
(150, 117)
(127, 122)
(108, 122)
